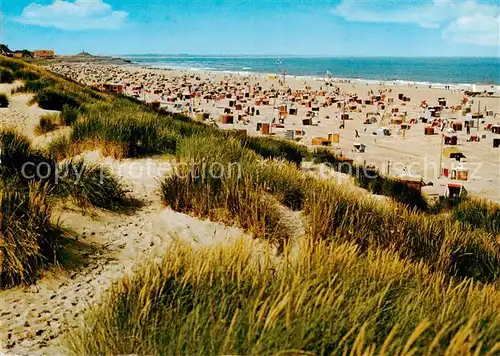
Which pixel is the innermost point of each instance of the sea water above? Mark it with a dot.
(441, 71)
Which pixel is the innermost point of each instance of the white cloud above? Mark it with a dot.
(462, 21)
(77, 15)
(476, 29)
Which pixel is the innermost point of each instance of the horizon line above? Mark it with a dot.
(293, 55)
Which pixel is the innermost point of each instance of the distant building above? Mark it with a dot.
(481, 88)
(44, 54)
(5, 51)
(84, 54)
(111, 88)
(22, 54)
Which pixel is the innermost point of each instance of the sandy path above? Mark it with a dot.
(19, 114)
(33, 318)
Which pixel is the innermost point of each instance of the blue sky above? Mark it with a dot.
(256, 27)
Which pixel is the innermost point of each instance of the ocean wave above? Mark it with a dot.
(224, 64)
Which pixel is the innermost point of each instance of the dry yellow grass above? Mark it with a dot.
(315, 299)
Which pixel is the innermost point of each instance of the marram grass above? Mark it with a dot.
(90, 185)
(332, 213)
(316, 300)
(28, 239)
(47, 123)
(230, 197)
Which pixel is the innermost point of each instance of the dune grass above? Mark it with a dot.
(332, 213)
(478, 213)
(274, 148)
(28, 239)
(137, 133)
(21, 161)
(55, 99)
(123, 128)
(34, 85)
(372, 180)
(320, 300)
(60, 148)
(69, 114)
(26, 74)
(50, 91)
(222, 193)
(4, 101)
(90, 185)
(10, 63)
(336, 214)
(30, 183)
(47, 123)
(279, 177)
(6, 76)
(368, 278)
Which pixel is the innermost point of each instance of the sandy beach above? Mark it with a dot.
(228, 100)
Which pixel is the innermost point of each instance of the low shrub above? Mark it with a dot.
(276, 148)
(54, 99)
(90, 185)
(47, 124)
(4, 101)
(69, 115)
(6, 76)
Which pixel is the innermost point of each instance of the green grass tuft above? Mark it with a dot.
(138, 133)
(223, 193)
(372, 180)
(478, 213)
(4, 101)
(69, 115)
(47, 124)
(55, 99)
(28, 240)
(6, 76)
(90, 185)
(276, 148)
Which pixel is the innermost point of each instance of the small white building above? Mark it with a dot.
(480, 88)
